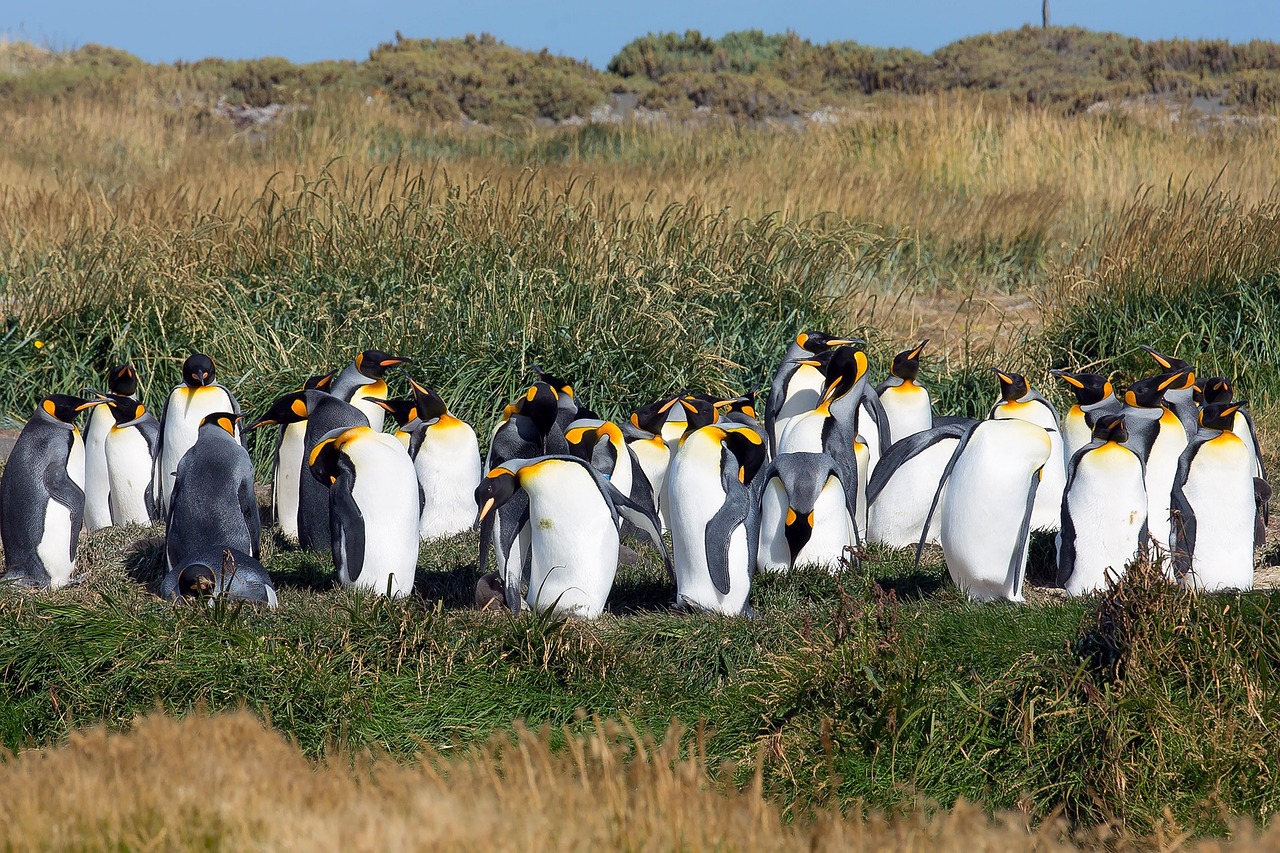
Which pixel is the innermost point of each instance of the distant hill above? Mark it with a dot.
(746, 74)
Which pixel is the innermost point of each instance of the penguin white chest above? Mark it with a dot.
(386, 491)
(448, 469)
(574, 541)
(985, 522)
(909, 409)
(695, 495)
(896, 517)
(1219, 490)
(187, 408)
(803, 393)
(97, 485)
(363, 399)
(55, 550)
(1162, 467)
(130, 465)
(1107, 510)
(286, 482)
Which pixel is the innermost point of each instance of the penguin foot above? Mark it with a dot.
(749, 613)
(23, 580)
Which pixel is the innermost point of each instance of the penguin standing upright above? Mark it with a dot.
(901, 492)
(122, 381)
(798, 382)
(42, 496)
(373, 509)
(1094, 397)
(1213, 506)
(576, 516)
(1020, 401)
(323, 413)
(714, 516)
(1219, 390)
(906, 403)
(198, 396)
(361, 383)
(992, 487)
(1158, 437)
(130, 449)
(287, 463)
(1104, 510)
(805, 515)
(660, 427)
(446, 456)
(213, 505)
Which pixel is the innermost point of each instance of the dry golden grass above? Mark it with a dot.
(226, 782)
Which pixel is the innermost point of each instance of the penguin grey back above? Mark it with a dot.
(213, 505)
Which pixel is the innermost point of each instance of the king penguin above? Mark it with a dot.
(1219, 390)
(374, 513)
(1158, 437)
(322, 413)
(130, 449)
(446, 457)
(805, 515)
(1020, 401)
(122, 381)
(213, 505)
(1213, 506)
(187, 406)
(602, 445)
(992, 483)
(1094, 397)
(714, 517)
(361, 383)
(42, 496)
(287, 463)
(576, 516)
(797, 383)
(906, 403)
(226, 574)
(1104, 510)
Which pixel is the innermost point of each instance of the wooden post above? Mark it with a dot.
(1044, 14)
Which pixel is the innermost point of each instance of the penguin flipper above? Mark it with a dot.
(348, 539)
(644, 519)
(734, 512)
(252, 520)
(1017, 561)
(942, 484)
(1182, 527)
(516, 578)
(1067, 541)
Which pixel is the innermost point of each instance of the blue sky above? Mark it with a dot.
(334, 29)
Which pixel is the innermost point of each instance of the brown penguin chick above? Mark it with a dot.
(490, 592)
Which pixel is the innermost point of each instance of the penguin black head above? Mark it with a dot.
(123, 380)
(197, 581)
(373, 363)
(222, 420)
(699, 412)
(798, 531)
(197, 370)
(1111, 428)
(125, 410)
(431, 406)
(844, 368)
(651, 416)
(906, 364)
(539, 404)
(1168, 362)
(815, 341)
(491, 592)
(744, 443)
(562, 386)
(1013, 386)
(498, 487)
(746, 404)
(289, 409)
(327, 460)
(404, 411)
(1216, 390)
(1221, 415)
(64, 407)
(596, 445)
(319, 382)
(1089, 388)
(1149, 393)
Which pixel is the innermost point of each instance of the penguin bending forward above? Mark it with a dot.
(806, 518)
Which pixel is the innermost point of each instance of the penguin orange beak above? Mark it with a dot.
(91, 403)
(1005, 379)
(391, 361)
(915, 353)
(484, 510)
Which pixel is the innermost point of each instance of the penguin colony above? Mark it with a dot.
(1171, 467)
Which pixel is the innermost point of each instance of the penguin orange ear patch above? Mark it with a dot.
(50, 407)
(227, 424)
(299, 408)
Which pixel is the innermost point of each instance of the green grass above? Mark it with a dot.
(849, 692)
